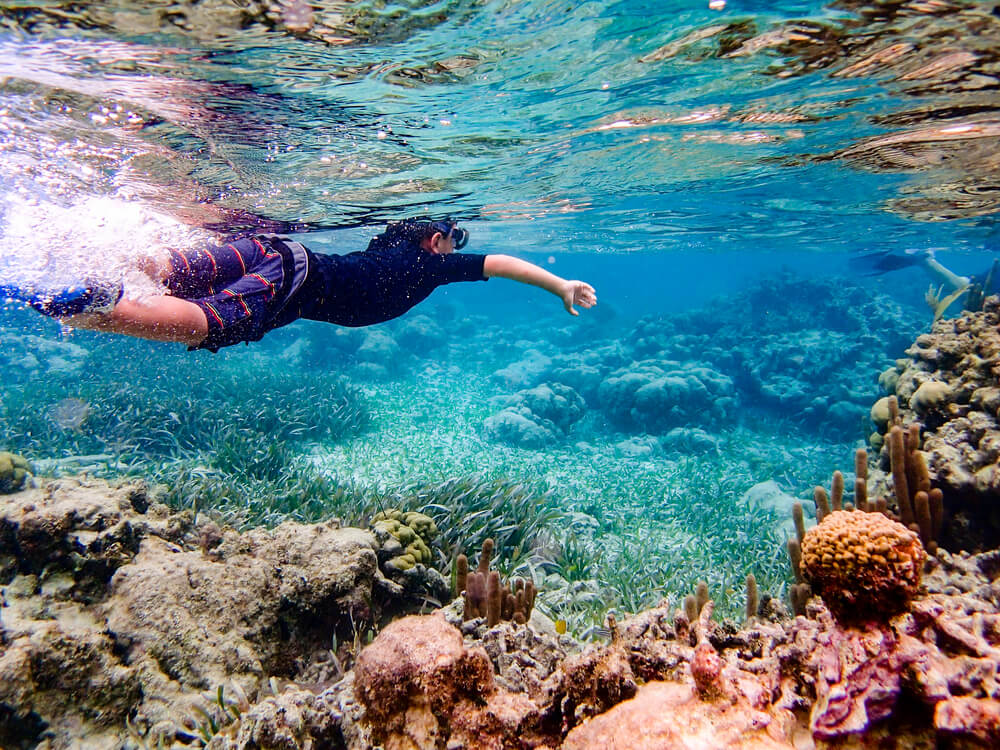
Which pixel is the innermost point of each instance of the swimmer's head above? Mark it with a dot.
(440, 237)
(445, 238)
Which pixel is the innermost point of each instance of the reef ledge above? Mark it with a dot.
(126, 625)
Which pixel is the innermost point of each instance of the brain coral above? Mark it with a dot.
(862, 564)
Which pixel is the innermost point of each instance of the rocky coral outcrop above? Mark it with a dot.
(115, 608)
(950, 384)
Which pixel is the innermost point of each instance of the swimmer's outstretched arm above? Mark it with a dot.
(161, 319)
(570, 292)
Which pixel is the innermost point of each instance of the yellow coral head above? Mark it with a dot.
(863, 565)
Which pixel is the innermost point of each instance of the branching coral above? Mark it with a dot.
(920, 506)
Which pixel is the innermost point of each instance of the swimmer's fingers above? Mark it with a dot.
(585, 295)
(579, 293)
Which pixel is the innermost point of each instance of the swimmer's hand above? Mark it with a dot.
(577, 293)
(570, 292)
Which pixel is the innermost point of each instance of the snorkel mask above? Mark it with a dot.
(460, 237)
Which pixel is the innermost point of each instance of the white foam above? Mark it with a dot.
(102, 239)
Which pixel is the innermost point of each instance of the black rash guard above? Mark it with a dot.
(251, 286)
(378, 284)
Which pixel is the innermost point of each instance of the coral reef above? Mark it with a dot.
(125, 624)
(697, 370)
(26, 357)
(122, 620)
(948, 385)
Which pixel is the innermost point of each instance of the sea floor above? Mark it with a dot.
(619, 517)
(651, 525)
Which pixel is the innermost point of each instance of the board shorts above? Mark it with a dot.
(243, 287)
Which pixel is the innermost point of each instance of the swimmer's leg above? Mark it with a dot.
(165, 318)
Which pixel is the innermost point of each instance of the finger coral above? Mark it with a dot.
(486, 596)
(862, 563)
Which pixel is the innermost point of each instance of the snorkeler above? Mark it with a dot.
(950, 284)
(218, 296)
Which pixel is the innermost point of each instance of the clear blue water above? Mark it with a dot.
(676, 155)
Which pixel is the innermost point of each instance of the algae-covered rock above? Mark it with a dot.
(421, 686)
(14, 470)
(116, 608)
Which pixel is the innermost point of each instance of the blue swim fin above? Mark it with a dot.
(71, 300)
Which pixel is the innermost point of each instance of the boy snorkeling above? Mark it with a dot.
(950, 284)
(218, 296)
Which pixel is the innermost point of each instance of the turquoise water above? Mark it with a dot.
(711, 171)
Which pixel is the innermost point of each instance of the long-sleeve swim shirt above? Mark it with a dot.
(380, 283)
